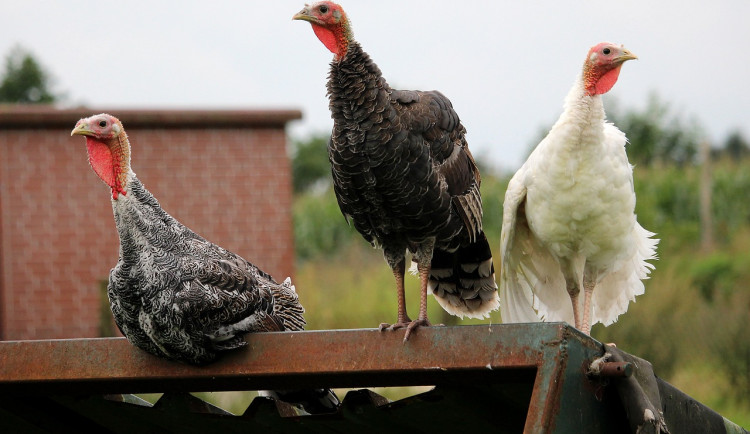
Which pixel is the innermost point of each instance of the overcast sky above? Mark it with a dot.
(505, 65)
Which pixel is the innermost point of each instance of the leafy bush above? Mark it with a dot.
(319, 227)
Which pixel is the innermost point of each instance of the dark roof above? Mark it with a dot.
(34, 116)
(487, 378)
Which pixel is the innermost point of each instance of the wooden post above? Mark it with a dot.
(706, 184)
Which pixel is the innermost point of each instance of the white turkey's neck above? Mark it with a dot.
(578, 105)
(582, 120)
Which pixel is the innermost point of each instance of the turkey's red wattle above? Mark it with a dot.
(600, 79)
(608, 79)
(105, 163)
(334, 41)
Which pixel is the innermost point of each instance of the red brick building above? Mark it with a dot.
(224, 174)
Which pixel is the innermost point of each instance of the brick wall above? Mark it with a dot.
(224, 174)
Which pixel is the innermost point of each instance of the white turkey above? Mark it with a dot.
(568, 217)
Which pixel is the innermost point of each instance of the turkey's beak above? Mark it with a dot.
(625, 55)
(305, 15)
(82, 129)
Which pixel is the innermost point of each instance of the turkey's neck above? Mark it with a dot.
(336, 39)
(583, 117)
(354, 83)
(111, 161)
(141, 221)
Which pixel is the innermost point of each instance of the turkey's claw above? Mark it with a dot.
(395, 326)
(413, 325)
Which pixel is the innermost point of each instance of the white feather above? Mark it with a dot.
(572, 203)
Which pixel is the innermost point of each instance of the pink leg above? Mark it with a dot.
(589, 282)
(403, 318)
(574, 291)
(424, 274)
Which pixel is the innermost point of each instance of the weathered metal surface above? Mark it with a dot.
(345, 358)
(616, 369)
(498, 378)
(684, 414)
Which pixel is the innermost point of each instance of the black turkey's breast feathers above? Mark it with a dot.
(179, 296)
(401, 167)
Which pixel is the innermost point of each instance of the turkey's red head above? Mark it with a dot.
(330, 24)
(602, 67)
(108, 148)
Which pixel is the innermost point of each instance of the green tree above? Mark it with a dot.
(310, 165)
(24, 80)
(735, 146)
(656, 135)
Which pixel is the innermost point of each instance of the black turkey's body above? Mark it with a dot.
(404, 176)
(180, 297)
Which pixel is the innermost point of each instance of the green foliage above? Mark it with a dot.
(736, 147)
(319, 227)
(668, 201)
(24, 80)
(712, 274)
(731, 342)
(692, 319)
(731, 196)
(310, 166)
(493, 195)
(656, 135)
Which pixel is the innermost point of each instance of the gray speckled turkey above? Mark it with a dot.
(172, 293)
(404, 176)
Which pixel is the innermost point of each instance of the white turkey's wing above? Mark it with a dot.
(617, 289)
(532, 287)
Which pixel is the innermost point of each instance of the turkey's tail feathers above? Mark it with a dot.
(287, 307)
(312, 401)
(277, 309)
(463, 282)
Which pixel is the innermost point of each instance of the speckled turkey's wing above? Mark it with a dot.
(431, 118)
(226, 299)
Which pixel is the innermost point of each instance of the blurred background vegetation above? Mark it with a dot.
(693, 323)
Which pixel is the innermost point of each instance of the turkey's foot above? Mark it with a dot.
(395, 326)
(422, 322)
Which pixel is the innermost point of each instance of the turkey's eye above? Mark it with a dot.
(102, 124)
(606, 51)
(323, 9)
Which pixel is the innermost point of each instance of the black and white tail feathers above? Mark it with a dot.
(463, 281)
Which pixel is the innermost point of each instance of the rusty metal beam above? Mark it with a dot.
(486, 377)
(550, 356)
(344, 358)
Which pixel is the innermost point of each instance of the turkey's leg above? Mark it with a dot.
(403, 319)
(573, 288)
(424, 274)
(589, 282)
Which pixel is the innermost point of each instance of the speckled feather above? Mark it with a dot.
(178, 296)
(404, 176)
(174, 294)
